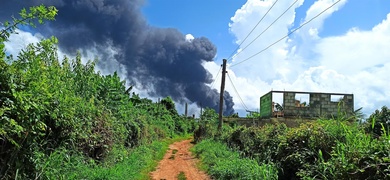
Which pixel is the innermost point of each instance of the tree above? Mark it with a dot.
(20, 115)
(169, 105)
(379, 121)
(35, 13)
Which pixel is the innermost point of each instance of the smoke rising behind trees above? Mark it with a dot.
(160, 61)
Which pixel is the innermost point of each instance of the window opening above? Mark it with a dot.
(302, 100)
(336, 98)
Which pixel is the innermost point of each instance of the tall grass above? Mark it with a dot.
(129, 164)
(322, 149)
(222, 163)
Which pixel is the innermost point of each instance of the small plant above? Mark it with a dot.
(181, 176)
(174, 151)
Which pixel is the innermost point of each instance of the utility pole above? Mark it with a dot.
(186, 110)
(158, 107)
(201, 111)
(221, 95)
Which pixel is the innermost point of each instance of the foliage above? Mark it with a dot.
(181, 176)
(135, 164)
(64, 114)
(322, 149)
(27, 17)
(169, 105)
(207, 125)
(356, 156)
(358, 115)
(222, 163)
(253, 115)
(209, 116)
(379, 122)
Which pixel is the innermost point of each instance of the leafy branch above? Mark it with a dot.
(27, 17)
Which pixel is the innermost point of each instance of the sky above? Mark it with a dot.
(344, 50)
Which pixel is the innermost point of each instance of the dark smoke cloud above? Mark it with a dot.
(158, 60)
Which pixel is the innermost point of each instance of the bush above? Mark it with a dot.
(222, 163)
(207, 126)
(259, 143)
(356, 156)
(323, 149)
(50, 107)
(379, 122)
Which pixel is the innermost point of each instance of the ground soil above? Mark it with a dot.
(178, 159)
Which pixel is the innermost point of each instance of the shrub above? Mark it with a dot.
(222, 163)
(323, 149)
(49, 107)
(379, 122)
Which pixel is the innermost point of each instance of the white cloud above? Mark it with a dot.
(267, 63)
(19, 41)
(356, 50)
(320, 6)
(356, 62)
(189, 37)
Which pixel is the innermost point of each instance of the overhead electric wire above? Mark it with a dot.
(239, 97)
(214, 80)
(231, 55)
(286, 35)
(267, 28)
(212, 84)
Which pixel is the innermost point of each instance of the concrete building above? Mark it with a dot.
(315, 105)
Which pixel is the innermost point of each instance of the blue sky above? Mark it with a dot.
(363, 14)
(211, 18)
(341, 51)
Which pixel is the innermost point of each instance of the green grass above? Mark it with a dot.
(222, 163)
(181, 176)
(322, 149)
(137, 165)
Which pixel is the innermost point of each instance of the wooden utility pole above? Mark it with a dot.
(186, 110)
(158, 108)
(201, 111)
(221, 95)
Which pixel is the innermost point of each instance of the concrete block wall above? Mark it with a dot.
(320, 105)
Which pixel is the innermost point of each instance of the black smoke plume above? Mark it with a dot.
(158, 60)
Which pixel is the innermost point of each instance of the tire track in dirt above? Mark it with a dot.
(178, 159)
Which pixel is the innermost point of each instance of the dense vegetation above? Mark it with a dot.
(60, 118)
(322, 149)
(222, 163)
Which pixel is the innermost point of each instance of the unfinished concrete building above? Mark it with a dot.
(306, 104)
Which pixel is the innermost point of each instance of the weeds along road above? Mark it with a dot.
(178, 160)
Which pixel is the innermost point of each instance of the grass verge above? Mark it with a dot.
(137, 165)
(222, 163)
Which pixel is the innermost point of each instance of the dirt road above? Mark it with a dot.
(178, 159)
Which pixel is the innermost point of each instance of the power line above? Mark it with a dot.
(287, 34)
(268, 27)
(212, 85)
(214, 80)
(231, 55)
(239, 97)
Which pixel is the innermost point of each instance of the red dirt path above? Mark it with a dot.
(181, 161)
